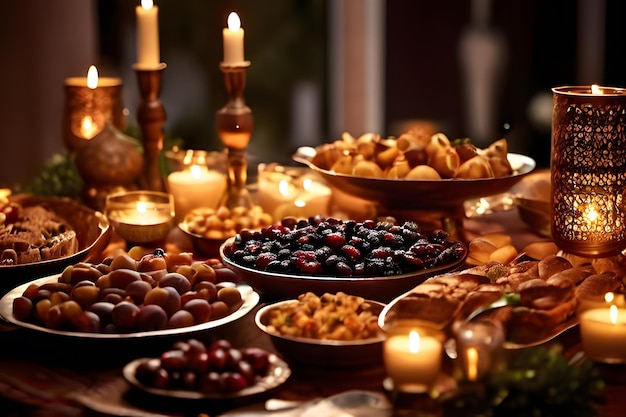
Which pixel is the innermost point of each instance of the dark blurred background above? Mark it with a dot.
(474, 68)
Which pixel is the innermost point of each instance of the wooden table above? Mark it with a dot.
(83, 378)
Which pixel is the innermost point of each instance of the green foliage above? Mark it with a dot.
(538, 382)
(59, 177)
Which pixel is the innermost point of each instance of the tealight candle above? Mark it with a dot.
(412, 361)
(140, 216)
(478, 345)
(194, 187)
(603, 333)
(292, 192)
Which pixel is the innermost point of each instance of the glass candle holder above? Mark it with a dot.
(603, 327)
(140, 216)
(588, 170)
(87, 110)
(412, 354)
(292, 191)
(479, 348)
(196, 184)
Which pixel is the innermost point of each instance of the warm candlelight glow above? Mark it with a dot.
(412, 360)
(148, 49)
(196, 171)
(414, 342)
(592, 214)
(595, 89)
(92, 77)
(283, 187)
(142, 207)
(88, 127)
(472, 364)
(234, 23)
(609, 297)
(233, 41)
(613, 313)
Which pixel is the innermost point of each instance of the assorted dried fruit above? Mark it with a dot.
(331, 247)
(218, 368)
(123, 294)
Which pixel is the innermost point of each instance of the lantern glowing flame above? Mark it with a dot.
(234, 23)
(92, 77)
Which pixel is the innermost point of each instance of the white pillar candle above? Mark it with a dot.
(603, 334)
(412, 361)
(148, 55)
(233, 41)
(195, 187)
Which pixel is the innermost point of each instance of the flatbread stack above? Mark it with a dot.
(37, 235)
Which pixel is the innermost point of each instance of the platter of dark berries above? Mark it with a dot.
(374, 259)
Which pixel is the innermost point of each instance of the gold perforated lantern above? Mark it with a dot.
(588, 170)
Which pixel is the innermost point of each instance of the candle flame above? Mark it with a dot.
(142, 207)
(595, 89)
(613, 313)
(196, 171)
(283, 188)
(88, 127)
(609, 297)
(146, 4)
(299, 203)
(307, 183)
(592, 214)
(414, 342)
(234, 23)
(92, 77)
(472, 363)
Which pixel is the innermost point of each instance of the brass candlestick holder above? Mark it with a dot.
(234, 126)
(151, 117)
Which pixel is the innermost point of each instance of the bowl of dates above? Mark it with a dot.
(374, 260)
(332, 330)
(191, 369)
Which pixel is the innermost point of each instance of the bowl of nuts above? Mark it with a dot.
(377, 260)
(208, 228)
(331, 330)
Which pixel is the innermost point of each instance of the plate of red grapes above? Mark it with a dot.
(377, 260)
(191, 369)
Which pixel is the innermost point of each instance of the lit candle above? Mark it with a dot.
(479, 347)
(412, 361)
(587, 173)
(603, 333)
(88, 126)
(140, 216)
(148, 55)
(195, 187)
(233, 41)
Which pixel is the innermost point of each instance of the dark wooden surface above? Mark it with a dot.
(43, 374)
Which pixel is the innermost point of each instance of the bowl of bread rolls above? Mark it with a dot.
(417, 170)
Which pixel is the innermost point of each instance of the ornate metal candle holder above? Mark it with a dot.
(234, 126)
(588, 170)
(151, 117)
(86, 110)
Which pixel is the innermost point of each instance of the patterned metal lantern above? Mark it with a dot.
(588, 170)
